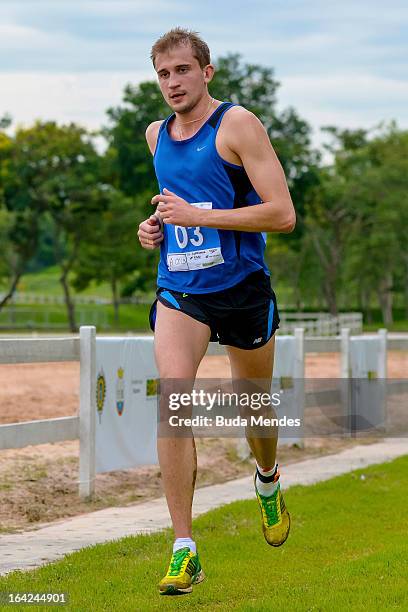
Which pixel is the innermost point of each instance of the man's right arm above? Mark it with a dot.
(152, 133)
(150, 232)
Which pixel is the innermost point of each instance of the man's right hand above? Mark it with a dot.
(150, 233)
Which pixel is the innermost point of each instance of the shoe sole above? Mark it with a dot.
(199, 577)
(171, 589)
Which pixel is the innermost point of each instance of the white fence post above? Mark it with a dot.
(382, 375)
(382, 354)
(87, 411)
(345, 353)
(345, 372)
(299, 375)
(299, 369)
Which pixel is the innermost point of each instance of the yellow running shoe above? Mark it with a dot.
(275, 517)
(184, 571)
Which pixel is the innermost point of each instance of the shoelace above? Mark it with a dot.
(177, 561)
(270, 506)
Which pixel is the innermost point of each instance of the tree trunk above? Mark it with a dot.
(329, 288)
(385, 298)
(68, 300)
(11, 290)
(365, 300)
(369, 314)
(114, 286)
(329, 262)
(297, 294)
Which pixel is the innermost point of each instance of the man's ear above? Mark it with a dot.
(209, 71)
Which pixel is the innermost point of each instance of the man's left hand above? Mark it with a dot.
(175, 210)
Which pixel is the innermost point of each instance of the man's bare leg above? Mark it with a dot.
(257, 364)
(180, 344)
(249, 367)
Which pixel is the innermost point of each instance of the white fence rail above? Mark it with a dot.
(321, 323)
(41, 350)
(22, 297)
(38, 350)
(19, 435)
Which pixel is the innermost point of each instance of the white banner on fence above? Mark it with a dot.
(126, 403)
(368, 367)
(365, 357)
(288, 375)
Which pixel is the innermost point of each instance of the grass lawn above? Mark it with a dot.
(348, 550)
(46, 282)
(397, 326)
(133, 317)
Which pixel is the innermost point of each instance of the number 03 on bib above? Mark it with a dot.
(193, 248)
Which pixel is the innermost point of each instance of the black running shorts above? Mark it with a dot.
(245, 316)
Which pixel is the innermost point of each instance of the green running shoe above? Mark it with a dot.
(275, 517)
(184, 571)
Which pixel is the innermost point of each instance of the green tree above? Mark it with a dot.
(377, 262)
(113, 253)
(8, 276)
(356, 218)
(5, 121)
(328, 219)
(18, 227)
(54, 171)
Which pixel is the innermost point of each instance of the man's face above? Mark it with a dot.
(181, 79)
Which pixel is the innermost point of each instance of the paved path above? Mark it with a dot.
(50, 542)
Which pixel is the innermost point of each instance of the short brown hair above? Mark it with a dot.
(182, 36)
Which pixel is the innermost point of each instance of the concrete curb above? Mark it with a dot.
(25, 551)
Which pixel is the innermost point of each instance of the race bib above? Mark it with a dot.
(193, 248)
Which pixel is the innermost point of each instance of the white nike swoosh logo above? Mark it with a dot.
(201, 148)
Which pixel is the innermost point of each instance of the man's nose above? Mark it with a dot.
(173, 81)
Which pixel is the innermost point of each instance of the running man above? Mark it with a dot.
(221, 189)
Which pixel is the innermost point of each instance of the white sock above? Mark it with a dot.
(266, 488)
(184, 543)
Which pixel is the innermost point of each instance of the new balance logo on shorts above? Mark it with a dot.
(257, 340)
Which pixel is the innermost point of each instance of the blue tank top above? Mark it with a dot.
(202, 259)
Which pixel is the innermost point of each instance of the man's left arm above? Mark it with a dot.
(245, 136)
(249, 141)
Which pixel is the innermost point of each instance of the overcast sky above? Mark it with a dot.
(339, 63)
